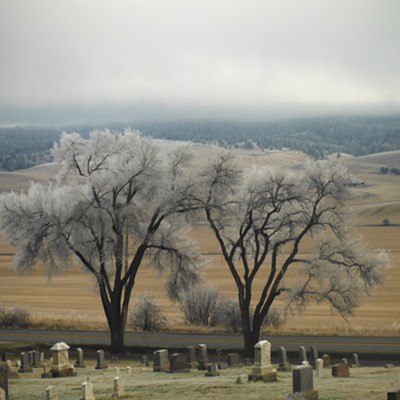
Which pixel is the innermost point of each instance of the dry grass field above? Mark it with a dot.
(71, 299)
(142, 383)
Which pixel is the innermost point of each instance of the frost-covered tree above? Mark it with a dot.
(288, 233)
(117, 200)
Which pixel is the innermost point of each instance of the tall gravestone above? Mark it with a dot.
(25, 365)
(4, 379)
(262, 368)
(101, 360)
(61, 366)
(79, 363)
(303, 382)
(313, 355)
(191, 362)
(35, 361)
(118, 388)
(302, 354)
(284, 365)
(202, 357)
(161, 361)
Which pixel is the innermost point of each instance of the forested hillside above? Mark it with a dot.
(22, 147)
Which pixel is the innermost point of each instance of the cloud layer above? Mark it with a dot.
(322, 55)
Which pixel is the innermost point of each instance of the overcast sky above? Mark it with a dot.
(122, 59)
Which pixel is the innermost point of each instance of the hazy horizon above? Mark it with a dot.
(95, 61)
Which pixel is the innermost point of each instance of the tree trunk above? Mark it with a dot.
(250, 338)
(117, 331)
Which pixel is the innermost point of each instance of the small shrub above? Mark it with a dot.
(386, 222)
(14, 318)
(147, 314)
(228, 314)
(199, 305)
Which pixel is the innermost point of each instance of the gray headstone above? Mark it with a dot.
(284, 365)
(177, 363)
(79, 363)
(314, 355)
(356, 361)
(161, 361)
(233, 360)
(101, 362)
(302, 354)
(302, 378)
(36, 359)
(25, 366)
(51, 393)
(4, 379)
(191, 362)
(202, 357)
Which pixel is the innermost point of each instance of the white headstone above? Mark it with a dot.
(87, 391)
(51, 393)
(319, 366)
(118, 387)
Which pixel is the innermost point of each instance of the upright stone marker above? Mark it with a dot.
(191, 362)
(326, 358)
(79, 363)
(25, 366)
(36, 359)
(51, 393)
(340, 370)
(118, 388)
(303, 382)
(284, 365)
(87, 391)
(356, 361)
(212, 370)
(203, 357)
(177, 363)
(319, 366)
(4, 380)
(101, 361)
(2, 394)
(262, 363)
(314, 355)
(302, 354)
(233, 360)
(161, 361)
(61, 366)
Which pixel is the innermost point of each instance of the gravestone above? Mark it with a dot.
(313, 355)
(87, 391)
(177, 363)
(161, 361)
(79, 363)
(340, 370)
(2, 394)
(319, 366)
(61, 366)
(243, 378)
(11, 373)
(262, 368)
(128, 370)
(303, 382)
(212, 370)
(326, 358)
(25, 366)
(118, 388)
(302, 354)
(191, 362)
(345, 361)
(284, 365)
(4, 379)
(233, 360)
(202, 357)
(145, 361)
(51, 393)
(36, 359)
(356, 361)
(393, 394)
(101, 361)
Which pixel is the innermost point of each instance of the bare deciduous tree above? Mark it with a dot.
(116, 200)
(263, 218)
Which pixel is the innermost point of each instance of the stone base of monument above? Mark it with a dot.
(46, 375)
(202, 366)
(266, 374)
(62, 373)
(25, 369)
(308, 395)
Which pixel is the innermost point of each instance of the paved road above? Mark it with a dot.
(338, 344)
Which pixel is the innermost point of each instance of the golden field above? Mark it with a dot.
(72, 297)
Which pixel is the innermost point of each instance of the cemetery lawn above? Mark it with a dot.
(142, 383)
